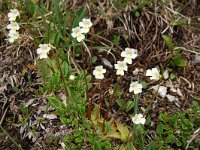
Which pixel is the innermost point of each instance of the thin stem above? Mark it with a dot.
(107, 111)
(136, 104)
(50, 65)
(91, 97)
(89, 107)
(100, 102)
(87, 49)
(135, 112)
(154, 96)
(8, 135)
(62, 76)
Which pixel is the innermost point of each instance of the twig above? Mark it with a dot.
(4, 114)
(193, 137)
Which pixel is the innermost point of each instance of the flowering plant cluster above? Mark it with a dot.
(121, 66)
(84, 27)
(13, 26)
(129, 54)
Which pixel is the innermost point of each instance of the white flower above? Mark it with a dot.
(80, 37)
(162, 90)
(153, 73)
(12, 15)
(13, 26)
(135, 87)
(71, 77)
(43, 50)
(166, 74)
(13, 35)
(77, 33)
(121, 66)
(98, 72)
(129, 54)
(85, 24)
(138, 119)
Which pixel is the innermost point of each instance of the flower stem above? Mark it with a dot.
(136, 103)
(134, 132)
(107, 110)
(86, 84)
(87, 49)
(63, 79)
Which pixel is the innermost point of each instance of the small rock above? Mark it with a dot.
(171, 98)
(51, 116)
(106, 62)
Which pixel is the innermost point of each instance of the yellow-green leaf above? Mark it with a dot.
(114, 135)
(168, 42)
(123, 131)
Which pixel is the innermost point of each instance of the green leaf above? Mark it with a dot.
(57, 104)
(178, 143)
(168, 42)
(130, 146)
(94, 59)
(144, 84)
(61, 53)
(108, 127)
(173, 121)
(97, 146)
(170, 138)
(121, 103)
(163, 117)
(56, 39)
(172, 76)
(23, 108)
(58, 14)
(67, 139)
(117, 90)
(154, 145)
(123, 131)
(30, 5)
(116, 40)
(54, 83)
(79, 140)
(106, 145)
(88, 78)
(77, 133)
(79, 16)
(65, 69)
(160, 128)
(137, 13)
(182, 63)
(178, 60)
(43, 70)
(114, 134)
(130, 105)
